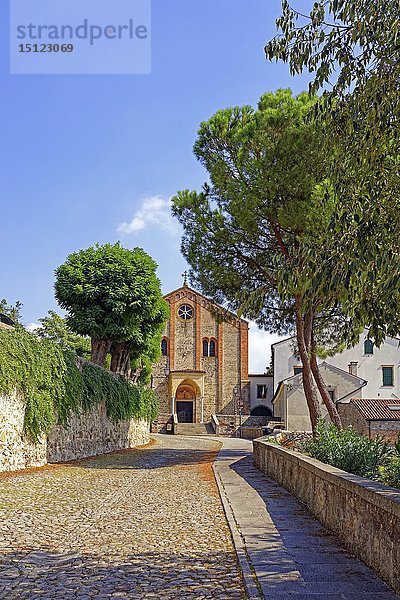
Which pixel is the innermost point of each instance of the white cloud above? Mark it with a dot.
(135, 225)
(154, 211)
(260, 348)
(32, 326)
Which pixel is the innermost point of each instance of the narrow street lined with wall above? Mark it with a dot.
(150, 523)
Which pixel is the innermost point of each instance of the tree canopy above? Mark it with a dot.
(12, 311)
(251, 235)
(352, 49)
(54, 327)
(112, 295)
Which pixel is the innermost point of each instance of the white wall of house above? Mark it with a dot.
(256, 399)
(291, 407)
(369, 366)
(284, 360)
(290, 402)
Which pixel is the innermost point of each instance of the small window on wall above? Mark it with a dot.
(262, 391)
(212, 348)
(205, 347)
(387, 376)
(297, 370)
(164, 347)
(368, 347)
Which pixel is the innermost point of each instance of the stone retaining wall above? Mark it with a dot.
(92, 433)
(364, 514)
(229, 425)
(251, 433)
(163, 424)
(88, 434)
(16, 450)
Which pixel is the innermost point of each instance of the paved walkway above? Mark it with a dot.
(146, 523)
(149, 523)
(285, 553)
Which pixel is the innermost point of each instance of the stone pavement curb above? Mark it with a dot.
(248, 573)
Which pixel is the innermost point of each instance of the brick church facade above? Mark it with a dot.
(203, 370)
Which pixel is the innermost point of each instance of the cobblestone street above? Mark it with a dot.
(146, 523)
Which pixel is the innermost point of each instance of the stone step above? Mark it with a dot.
(194, 429)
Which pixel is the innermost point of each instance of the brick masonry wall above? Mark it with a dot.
(160, 386)
(185, 344)
(231, 369)
(210, 366)
(88, 434)
(364, 514)
(209, 330)
(351, 417)
(389, 430)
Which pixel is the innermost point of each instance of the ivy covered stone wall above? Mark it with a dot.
(87, 434)
(55, 407)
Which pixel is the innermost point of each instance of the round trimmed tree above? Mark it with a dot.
(109, 292)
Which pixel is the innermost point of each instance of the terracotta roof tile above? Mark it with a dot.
(378, 409)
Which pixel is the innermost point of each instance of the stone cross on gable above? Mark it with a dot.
(185, 278)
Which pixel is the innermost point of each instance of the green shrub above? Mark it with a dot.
(390, 473)
(123, 399)
(71, 400)
(397, 447)
(349, 451)
(55, 384)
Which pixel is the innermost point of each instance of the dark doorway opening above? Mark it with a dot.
(261, 411)
(184, 410)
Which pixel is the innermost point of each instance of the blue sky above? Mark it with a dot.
(88, 159)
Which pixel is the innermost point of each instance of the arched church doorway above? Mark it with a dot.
(185, 401)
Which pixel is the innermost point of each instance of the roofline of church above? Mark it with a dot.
(186, 287)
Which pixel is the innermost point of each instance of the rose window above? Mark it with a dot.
(185, 312)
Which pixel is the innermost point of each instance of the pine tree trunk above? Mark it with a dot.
(302, 334)
(121, 359)
(326, 399)
(100, 349)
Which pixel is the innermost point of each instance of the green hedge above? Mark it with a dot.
(55, 385)
(355, 453)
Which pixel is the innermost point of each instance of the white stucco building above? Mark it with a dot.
(261, 394)
(380, 367)
(290, 403)
(364, 371)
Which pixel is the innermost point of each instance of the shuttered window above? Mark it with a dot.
(368, 347)
(387, 376)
